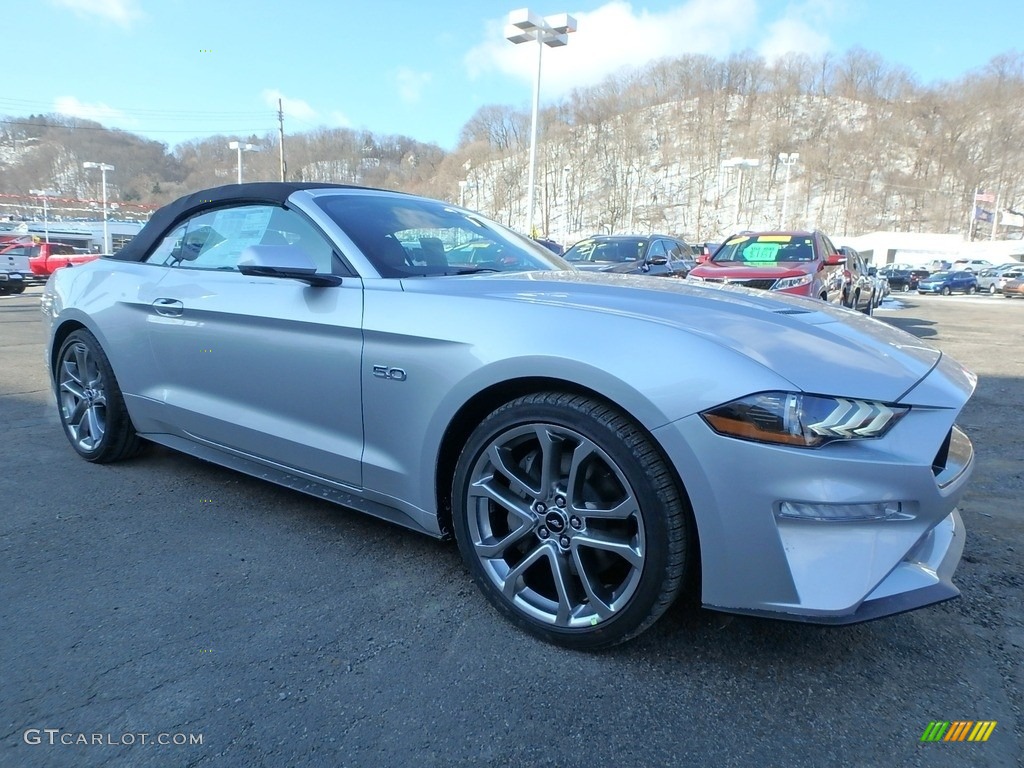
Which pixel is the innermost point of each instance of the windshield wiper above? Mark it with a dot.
(474, 270)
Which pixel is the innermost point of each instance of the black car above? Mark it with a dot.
(660, 255)
(556, 248)
(903, 279)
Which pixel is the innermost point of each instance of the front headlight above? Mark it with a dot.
(805, 421)
(792, 282)
(695, 279)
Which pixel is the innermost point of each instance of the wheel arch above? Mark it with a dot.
(60, 334)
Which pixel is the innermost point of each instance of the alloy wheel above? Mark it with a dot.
(555, 525)
(82, 397)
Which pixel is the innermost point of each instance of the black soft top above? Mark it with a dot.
(166, 218)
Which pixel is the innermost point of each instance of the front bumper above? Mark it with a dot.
(12, 279)
(757, 561)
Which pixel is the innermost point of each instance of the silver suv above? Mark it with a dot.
(993, 279)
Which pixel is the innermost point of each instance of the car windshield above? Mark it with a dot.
(617, 251)
(940, 275)
(414, 237)
(766, 249)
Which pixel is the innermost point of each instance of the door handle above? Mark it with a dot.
(169, 307)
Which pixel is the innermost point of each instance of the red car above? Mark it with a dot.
(46, 258)
(801, 263)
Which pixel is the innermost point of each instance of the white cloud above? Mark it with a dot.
(615, 36)
(101, 113)
(800, 30)
(121, 12)
(296, 108)
(300, 110)
(340, 119)
(411, 84)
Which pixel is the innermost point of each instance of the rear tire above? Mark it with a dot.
(970, 290)
(992, 289)
(570, 521)
(90, 404)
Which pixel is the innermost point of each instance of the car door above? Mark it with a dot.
(264, 367)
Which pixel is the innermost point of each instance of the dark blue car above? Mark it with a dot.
(947, 282)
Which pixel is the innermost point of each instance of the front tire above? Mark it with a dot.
(90, 404)
(570, 521)
(946, 291)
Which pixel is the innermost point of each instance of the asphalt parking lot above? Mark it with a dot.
(169, 597)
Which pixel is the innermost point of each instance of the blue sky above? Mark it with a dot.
(177, 69)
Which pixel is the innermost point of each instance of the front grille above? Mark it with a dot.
(752, 282)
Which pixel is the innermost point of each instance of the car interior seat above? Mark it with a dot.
(391, 257)
(433, 252)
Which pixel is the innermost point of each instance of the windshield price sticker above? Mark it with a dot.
(760, 251)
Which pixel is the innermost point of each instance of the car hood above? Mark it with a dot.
(820, 348)
(733, 271)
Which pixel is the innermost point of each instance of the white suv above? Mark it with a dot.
(971, 265)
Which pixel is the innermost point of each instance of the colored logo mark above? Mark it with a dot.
(958, 730)
(206, 50)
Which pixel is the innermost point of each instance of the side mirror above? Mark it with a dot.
(872, 271)
(285, 261)
(657, 261)
(835, 260)
(703, 258)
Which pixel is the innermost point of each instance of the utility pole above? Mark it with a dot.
(280, 124)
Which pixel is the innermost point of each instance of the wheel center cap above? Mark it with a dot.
(555, 522)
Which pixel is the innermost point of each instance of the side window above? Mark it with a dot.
(216, 239)
(676, 251)
(657, 249)
(169, 249)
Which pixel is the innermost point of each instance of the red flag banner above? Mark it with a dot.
(984, 197)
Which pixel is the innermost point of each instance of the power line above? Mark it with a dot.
(51, 106)
(192, 131)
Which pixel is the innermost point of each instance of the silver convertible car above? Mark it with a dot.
(595, 443)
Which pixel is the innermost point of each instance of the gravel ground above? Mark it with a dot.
(168, 596)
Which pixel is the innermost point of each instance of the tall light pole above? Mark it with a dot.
(44, 193)
(740, 163)
(788, 159)
(553, 31)
(103, 173)
(241, 147)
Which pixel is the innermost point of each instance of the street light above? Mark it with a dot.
(740, 163)
(241, 148)
(553, 31)
(788, 159)
(103, 173)
(44, 193)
